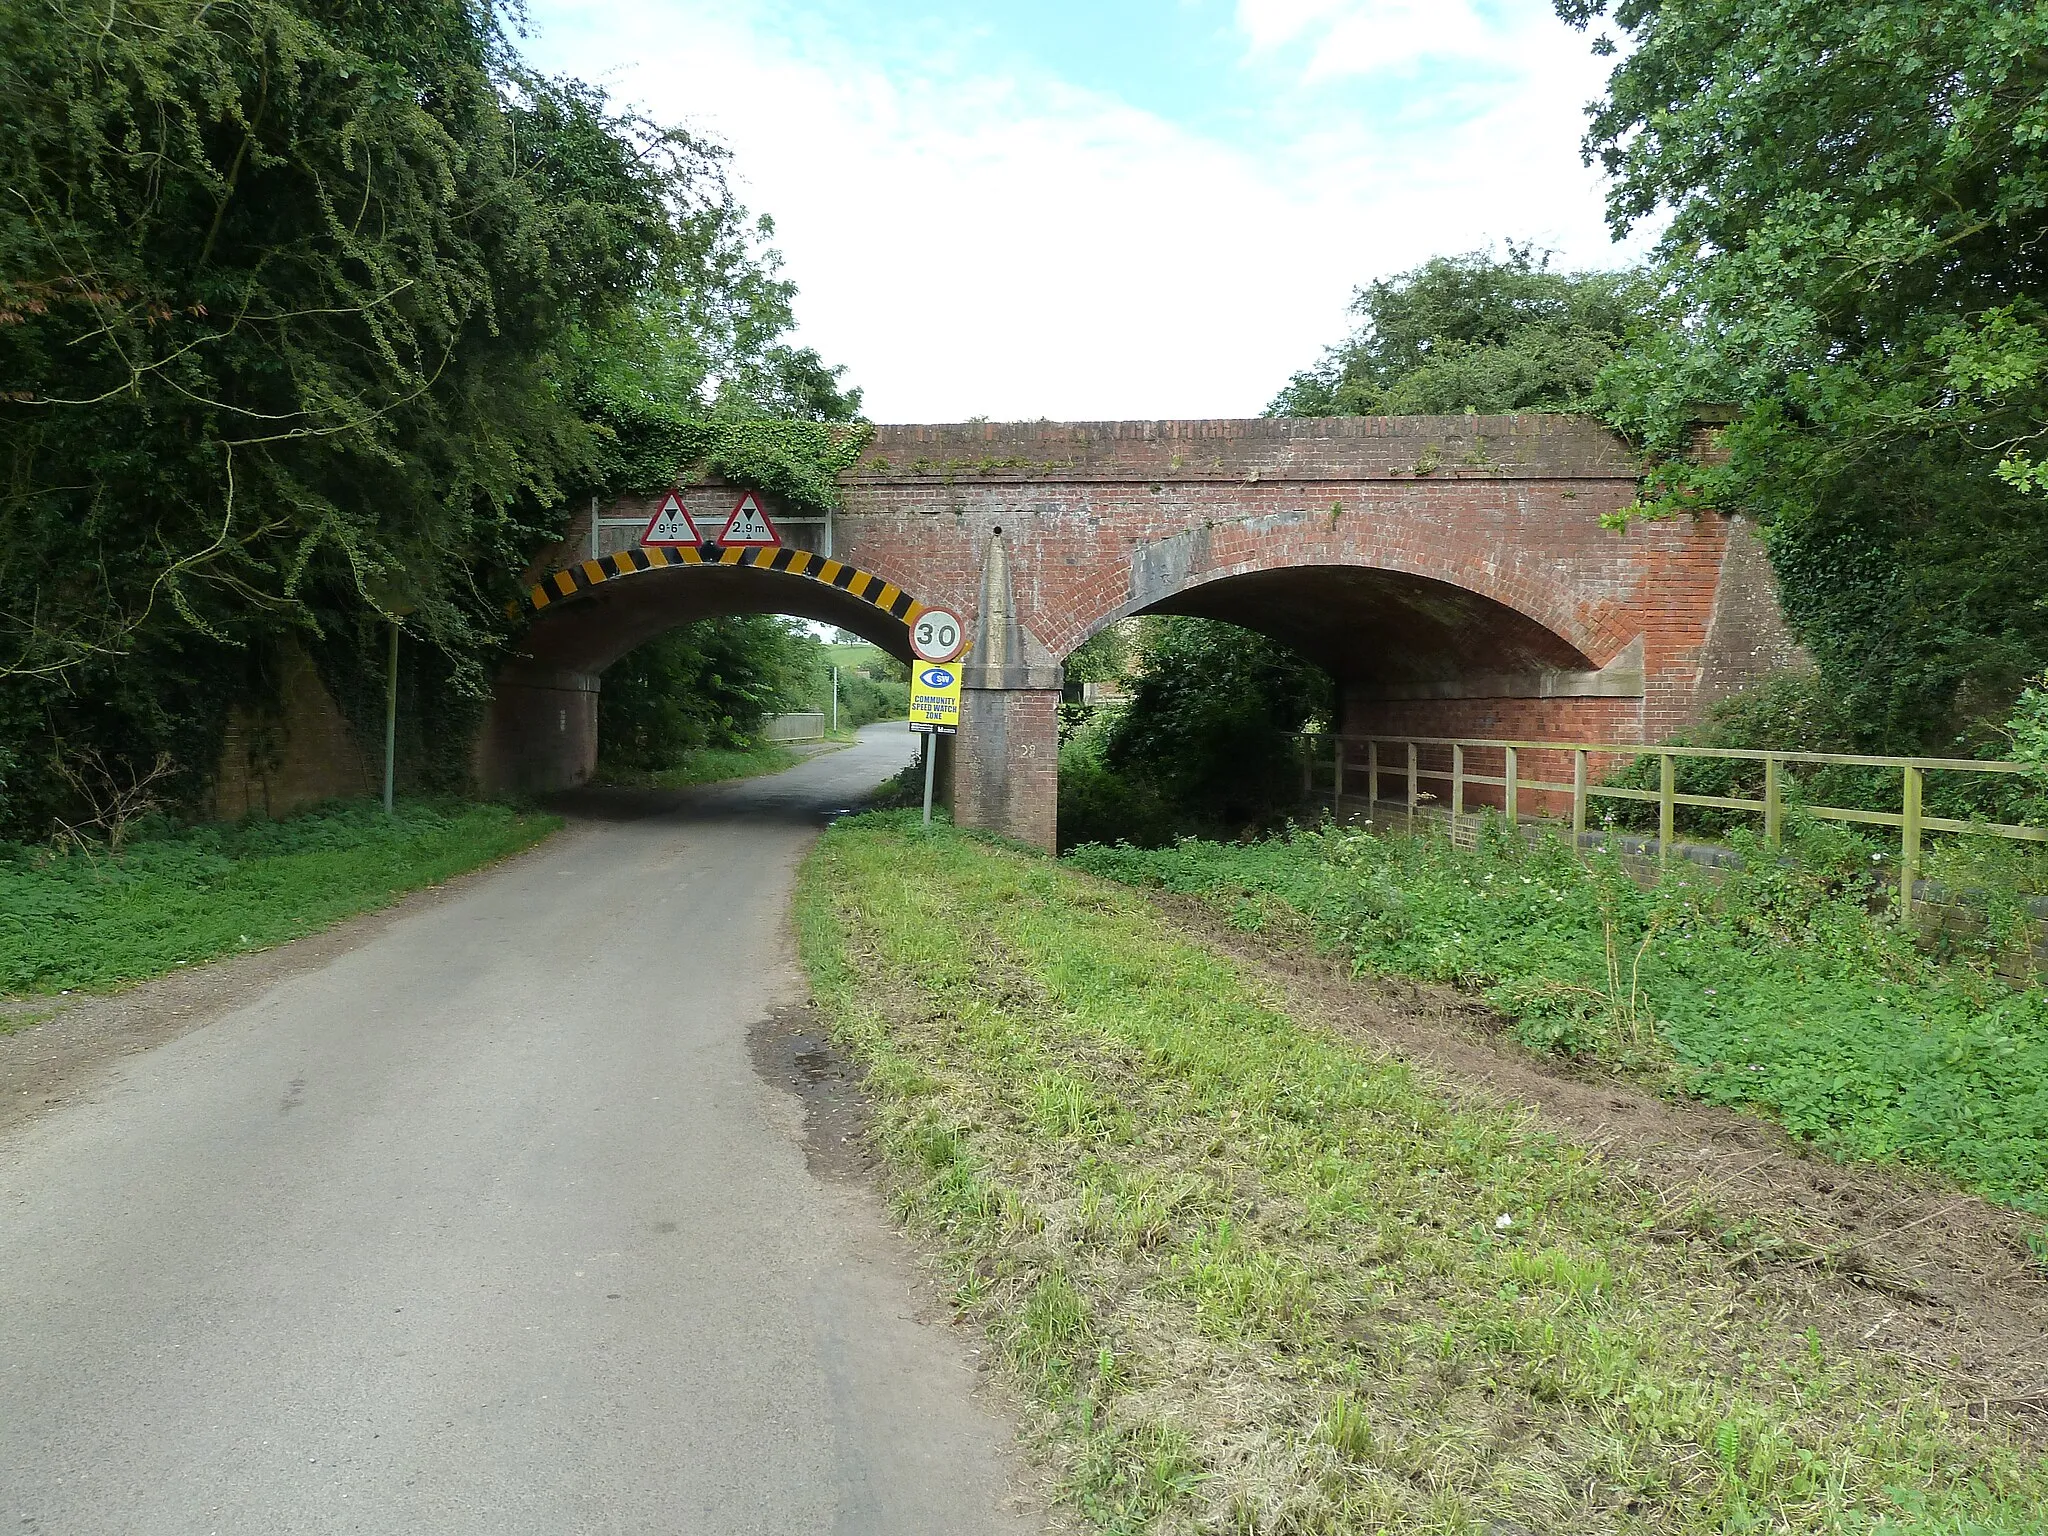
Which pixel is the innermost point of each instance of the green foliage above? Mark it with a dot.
(313, 314)
(873, 685)
(95, 920)
(1252, 1275)
(1858, 204)
(1773, 990)
(1213, 718)
(1098, 804)
(1473, 333)
(706, 684)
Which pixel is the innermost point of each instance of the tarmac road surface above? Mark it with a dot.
(491, 1225)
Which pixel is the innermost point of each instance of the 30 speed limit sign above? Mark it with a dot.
(936, 635)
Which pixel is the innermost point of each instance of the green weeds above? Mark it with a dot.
(93, 920)
(1257, 1279)
(1773, 989)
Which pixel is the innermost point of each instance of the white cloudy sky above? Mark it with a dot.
(1108, 209)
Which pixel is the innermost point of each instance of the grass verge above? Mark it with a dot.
(705, 765)
(1771, 989)
(97, 920)
(1254, 1278)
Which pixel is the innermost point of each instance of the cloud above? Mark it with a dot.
(978, 240)
(1365, 36)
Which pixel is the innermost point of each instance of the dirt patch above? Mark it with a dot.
(53, 1049)
(792, 1049)
(1873, 1257)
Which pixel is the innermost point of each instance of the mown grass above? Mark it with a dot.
(1257, 1279)
(95, 920)
(705, 765)
(1773, 989)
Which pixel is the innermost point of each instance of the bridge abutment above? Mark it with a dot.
(541, 732)
(1006, 763)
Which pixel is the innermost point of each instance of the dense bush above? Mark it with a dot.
(1208, 741)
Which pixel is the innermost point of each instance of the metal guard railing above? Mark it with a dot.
(1910, 818)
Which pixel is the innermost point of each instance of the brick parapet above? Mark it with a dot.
(1334, 448)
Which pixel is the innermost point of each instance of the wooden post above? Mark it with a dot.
(1372, 779)
(1667, 804)
(1414, 786)
(1457, 787)
(1337, 780)
(1308, 768)
(1774, 803)
(1909, 840)
(1578, 796)
(1513, 787)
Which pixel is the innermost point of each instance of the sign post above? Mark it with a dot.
(931, 762)
(934, 712)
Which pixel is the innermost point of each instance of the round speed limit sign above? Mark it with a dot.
(937, 635)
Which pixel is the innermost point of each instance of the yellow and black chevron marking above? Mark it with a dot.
(866, 586)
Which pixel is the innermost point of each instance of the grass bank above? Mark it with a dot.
(705, 765)
(1773, 989)
(95, 920)
(1256, 1278)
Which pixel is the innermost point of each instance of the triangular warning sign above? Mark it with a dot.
(671, 524)
(749, 525)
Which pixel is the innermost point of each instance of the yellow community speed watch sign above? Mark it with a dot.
(935, 698)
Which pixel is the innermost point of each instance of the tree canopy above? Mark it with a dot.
(1476, 332)
(1858, 197)
(312, 311)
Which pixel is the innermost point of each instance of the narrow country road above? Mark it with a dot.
(490, 1225)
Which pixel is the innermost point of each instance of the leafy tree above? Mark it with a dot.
(1472, 333)
(704, 685)
(289, 297)
(310, 311)
(1858, 202)
(1213, 716)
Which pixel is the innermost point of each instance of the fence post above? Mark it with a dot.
(1414, 785)
(1774, 803)
(1909, 840)
(1667, 805)
(1578, 796)
(1512, 786)
(1457, 787)
(1372, 779)
(1337, 780)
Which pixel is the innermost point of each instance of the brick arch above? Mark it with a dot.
(864, 586)
(1587, 634)
(587, 615)
(1310, 603)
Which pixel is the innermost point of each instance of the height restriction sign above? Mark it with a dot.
(935, 700)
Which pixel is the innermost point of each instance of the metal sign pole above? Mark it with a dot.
(391, 718)
(835, 700)
(931, 760)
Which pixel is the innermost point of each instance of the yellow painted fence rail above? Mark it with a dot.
(1409, 762)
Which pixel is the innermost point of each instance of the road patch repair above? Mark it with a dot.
(1259, 1263)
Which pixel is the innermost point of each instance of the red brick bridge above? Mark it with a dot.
(1452, 573)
